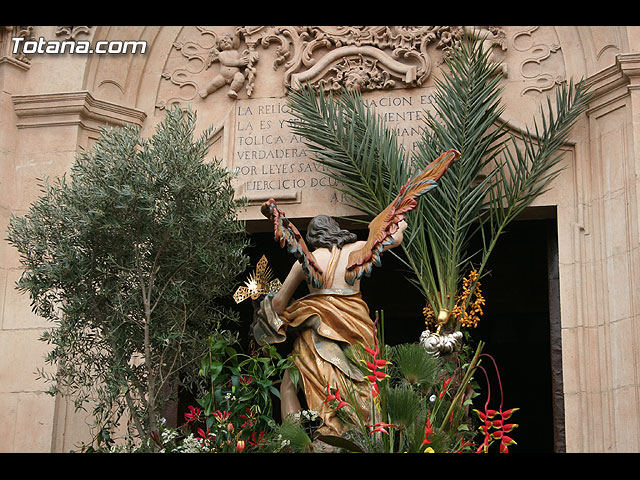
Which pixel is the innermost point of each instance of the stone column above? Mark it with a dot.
(601, 343)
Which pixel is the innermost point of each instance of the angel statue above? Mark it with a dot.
(333, 316)
(232, 63)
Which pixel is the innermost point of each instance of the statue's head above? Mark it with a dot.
(228, 41)
(324, 231)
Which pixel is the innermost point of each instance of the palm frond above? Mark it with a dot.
(361, 154)
(496, 177)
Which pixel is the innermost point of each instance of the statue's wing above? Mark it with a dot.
(290, 238)
(386, 223)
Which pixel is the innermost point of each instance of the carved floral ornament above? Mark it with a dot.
(355, 57)
(9, 32)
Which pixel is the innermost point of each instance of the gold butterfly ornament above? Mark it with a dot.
(259, 283)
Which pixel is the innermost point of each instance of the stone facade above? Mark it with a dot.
(53, 104)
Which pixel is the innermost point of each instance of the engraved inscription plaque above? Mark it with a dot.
(271, 161)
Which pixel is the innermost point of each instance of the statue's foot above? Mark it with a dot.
(232, 94)
(203, 93)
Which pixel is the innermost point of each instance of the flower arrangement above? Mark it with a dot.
(419, 404)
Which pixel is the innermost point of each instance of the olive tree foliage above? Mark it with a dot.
(129, 255)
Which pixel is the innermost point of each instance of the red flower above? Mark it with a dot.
(380, 427)
(193, 414)
(245, 379)
(507, 413)
(427, 431)
(375, 376)
(257, 442)
(499, 429)
(373, 353)
(222, 416)
(509, 427)
(464, 443)
(335, 396)
(250, 418)
(240, 446)
(204, 436)
(375, 390)
(445, 384)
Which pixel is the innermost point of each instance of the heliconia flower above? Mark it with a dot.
(375, 391)
(483, 447)
(381, 427)
(507, 413)
(370, 351)
(445, 384)
(509, 427)
(371, 366)
(193, 414)
(508, 440)
(377, 363)
(427, 431)
(375, 376)
(481, 415)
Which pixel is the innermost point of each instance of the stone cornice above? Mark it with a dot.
(72, 108)
(612, 83)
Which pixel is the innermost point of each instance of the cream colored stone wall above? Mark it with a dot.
(53, 105)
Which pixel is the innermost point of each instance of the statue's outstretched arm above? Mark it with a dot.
(289, 286)
(383, 229)
(290, 238)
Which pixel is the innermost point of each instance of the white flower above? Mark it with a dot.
(432, 398)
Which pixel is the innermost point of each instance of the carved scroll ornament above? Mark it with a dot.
(328, 57)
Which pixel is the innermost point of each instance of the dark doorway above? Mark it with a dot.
(520, 315)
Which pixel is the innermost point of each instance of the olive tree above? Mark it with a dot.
(131, 254)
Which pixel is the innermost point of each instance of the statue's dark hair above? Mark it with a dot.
(324, 231)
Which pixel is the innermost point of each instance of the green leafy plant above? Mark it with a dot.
(131, 258)
(240, 384)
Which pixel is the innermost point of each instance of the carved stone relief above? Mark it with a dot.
(71, 33)
(536, 65)
(220, 69)
(367, 58)
(6, 44)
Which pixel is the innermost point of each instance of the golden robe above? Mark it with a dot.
(326, 323)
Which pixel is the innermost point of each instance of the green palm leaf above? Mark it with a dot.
(496, 177)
